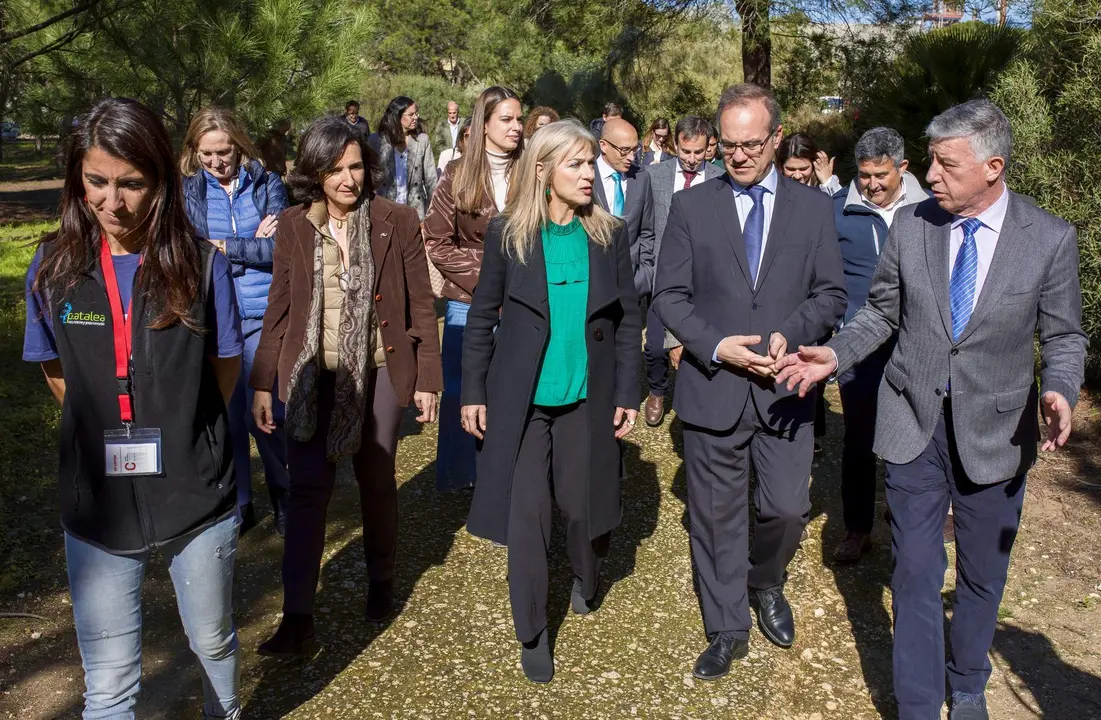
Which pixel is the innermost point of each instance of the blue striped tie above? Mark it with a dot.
(961, 289)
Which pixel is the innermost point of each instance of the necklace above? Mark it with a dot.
(339, 221)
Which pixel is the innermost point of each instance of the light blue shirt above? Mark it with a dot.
(744, 203)
(986, 241)
(401, 176)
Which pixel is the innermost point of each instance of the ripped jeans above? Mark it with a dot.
(106, 593)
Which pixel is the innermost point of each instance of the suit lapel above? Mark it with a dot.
(781, 214)
(382, 233)
(603, 287)
(937, 238)
(727, 211)
(1010, 254)
(598, 193)
(529, 284)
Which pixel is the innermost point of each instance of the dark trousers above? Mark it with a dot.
(986, 519)
(312, 479)
(553, 457)
(655, 355)
(859, 388)
(717, 469)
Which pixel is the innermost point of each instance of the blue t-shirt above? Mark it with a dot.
(226, 339)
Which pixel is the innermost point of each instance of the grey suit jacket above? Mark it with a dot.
(421, 171)
(703, 294)
(639, 218)
(661, 190)
(1032, 286)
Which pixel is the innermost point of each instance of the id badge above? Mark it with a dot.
(133, 452)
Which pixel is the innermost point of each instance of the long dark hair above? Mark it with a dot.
(390, 125)
(799, 145)
(660, 124)
(171, 270)
(320, 149)
(472, 183)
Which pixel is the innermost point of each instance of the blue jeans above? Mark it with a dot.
(273, 448)
(106, 592)
(455, 459)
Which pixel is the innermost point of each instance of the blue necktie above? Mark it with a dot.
(617, 200)
(961, 288)
(754, 230)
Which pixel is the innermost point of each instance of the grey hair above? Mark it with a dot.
(881, 142)
(692, 127)
(980, 121)
(745, 93)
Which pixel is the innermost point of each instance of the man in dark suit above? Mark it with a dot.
(611, 110)
(967, 280)
(624, 191)
(749, 264)
(686, 170)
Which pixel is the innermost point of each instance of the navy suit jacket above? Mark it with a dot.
(703, 293)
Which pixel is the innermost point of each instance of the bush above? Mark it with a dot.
(430, 93)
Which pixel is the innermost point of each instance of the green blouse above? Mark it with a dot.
(564, 374)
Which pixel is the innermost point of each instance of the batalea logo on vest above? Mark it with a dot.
(68, 316)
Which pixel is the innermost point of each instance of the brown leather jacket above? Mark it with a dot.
(403, 301)
(453, 238)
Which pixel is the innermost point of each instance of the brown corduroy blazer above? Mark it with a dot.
(403, 301)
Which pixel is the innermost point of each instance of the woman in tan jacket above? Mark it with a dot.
(350, 330)
(471, 192)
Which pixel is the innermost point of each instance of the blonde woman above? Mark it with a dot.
(553, 363)
(234, 202)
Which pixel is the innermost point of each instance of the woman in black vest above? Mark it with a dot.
(136, 326)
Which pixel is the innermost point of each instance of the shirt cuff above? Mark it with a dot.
(833, 376)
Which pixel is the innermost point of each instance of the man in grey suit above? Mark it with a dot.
(624, 191)
(967, 280)
(749, 264)
(688, 169)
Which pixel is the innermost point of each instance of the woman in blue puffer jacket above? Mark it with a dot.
(235, 203)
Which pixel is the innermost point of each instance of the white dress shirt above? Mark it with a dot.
(986, 240)
(678, 177)
(605, 172)
(454, 130)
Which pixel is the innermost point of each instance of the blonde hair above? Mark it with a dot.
(211, 119)
(528, 211)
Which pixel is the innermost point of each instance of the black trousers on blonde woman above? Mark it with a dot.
(553, 458)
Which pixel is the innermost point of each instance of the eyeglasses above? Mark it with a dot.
(751, 148)
(623, 151)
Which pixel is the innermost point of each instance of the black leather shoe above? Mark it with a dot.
(295, 638)
(248, 519)
(715, 661)
(774, 615)
(535, 658)
(966, 706)
(279, 509)
(380, 601)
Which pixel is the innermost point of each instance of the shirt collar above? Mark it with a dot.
(993, 217)
(606, 170)
(897, 202)
(768, 183)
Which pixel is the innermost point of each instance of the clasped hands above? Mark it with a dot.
(734, 350)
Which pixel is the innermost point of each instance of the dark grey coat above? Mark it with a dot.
(500, 369)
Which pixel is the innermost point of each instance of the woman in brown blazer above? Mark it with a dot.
(350, 330)
(470, 193)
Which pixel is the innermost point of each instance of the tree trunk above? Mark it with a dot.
(756, 41)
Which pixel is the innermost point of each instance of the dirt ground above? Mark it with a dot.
(450, 653)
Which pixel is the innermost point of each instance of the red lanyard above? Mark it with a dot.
(120, 327)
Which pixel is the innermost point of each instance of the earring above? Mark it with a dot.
(548, 193)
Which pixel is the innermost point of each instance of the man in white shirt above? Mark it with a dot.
(863, 214)
(624, 191)
(447, 132)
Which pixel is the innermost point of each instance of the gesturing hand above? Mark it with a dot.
(734, 350)
(1056, 411)
(823, 167)
(474, 420)
(777, 346)
(805, 369)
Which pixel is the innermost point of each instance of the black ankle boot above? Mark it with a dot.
(279, 498)
(295, 638)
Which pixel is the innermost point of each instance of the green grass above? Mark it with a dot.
(28, 439)
(21, 163)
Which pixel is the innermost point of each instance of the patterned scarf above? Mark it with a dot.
(355, 349)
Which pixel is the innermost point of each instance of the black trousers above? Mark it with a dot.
(553, 455)
(986, 518)
(655, 354)
(717, 467)
(859, 388)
